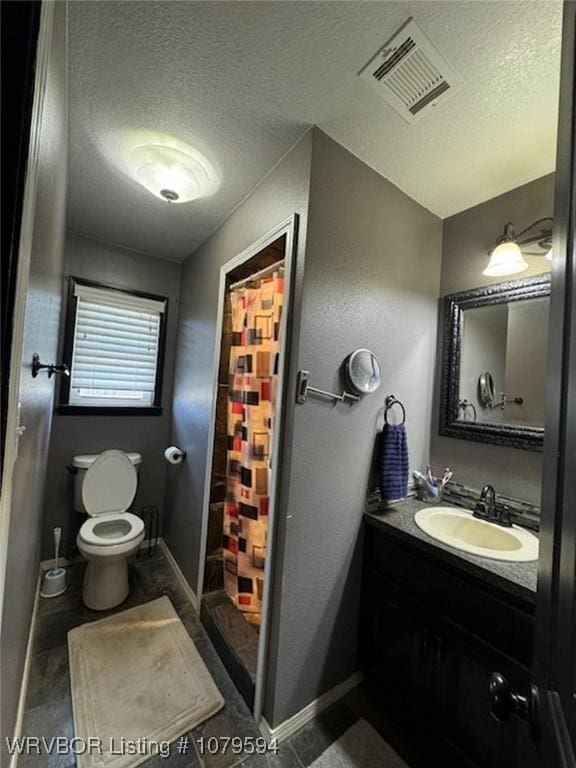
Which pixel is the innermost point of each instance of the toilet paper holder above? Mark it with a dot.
(174, 454)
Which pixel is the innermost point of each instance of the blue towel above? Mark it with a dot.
(394, 463)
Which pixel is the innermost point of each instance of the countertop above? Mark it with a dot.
(518, 579)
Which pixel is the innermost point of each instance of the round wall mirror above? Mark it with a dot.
(362, 372)
(486, 389)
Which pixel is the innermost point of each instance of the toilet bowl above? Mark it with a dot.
(107, 486)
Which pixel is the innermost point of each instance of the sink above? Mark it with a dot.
(459, 529)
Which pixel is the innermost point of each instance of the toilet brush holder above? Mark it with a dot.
(54, 583)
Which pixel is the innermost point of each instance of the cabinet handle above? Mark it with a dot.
(504, 703)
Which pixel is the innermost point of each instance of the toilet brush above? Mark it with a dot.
(54, 583)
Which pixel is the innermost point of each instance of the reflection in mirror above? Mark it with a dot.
(494, 363)
(503, 361)
(486, 389)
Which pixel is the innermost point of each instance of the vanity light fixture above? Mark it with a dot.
(507, 257)
(174, 174)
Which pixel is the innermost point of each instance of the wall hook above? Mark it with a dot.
(52, 368)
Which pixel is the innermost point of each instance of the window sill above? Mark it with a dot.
(107, 410)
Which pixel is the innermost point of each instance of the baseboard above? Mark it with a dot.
(26, 671)
(310, 711)
(190, 594)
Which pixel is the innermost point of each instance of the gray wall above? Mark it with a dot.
(527, 359)
(484, 332)
(43, 304)
(282, 193)
(372, 259)
(148, 435)
(371, 279)
(467, 237)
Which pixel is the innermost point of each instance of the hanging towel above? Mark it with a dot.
(394, 463)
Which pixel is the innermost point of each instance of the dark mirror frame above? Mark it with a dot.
(515, 436)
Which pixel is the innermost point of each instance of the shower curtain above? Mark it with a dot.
(253, 379)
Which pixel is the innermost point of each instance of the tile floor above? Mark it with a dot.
(235, 641)
(49, 712)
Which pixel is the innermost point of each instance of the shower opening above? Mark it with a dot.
(243, 468)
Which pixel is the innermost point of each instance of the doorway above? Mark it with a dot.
(243, 468)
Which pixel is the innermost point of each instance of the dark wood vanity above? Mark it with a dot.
(434, 627)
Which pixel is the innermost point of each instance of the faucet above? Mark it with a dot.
(486, 508)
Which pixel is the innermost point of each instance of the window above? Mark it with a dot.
(114, 350)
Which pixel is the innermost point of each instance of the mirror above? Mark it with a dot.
(494, 363)
(362, 372)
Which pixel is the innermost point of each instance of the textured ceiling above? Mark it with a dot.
(242, 81)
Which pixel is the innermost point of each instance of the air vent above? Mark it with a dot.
(409, 74)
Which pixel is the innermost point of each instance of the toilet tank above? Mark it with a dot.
(81, 464)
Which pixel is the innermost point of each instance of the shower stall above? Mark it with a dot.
(242, 474)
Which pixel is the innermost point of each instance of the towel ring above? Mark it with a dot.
(391, 401)
(464, 405)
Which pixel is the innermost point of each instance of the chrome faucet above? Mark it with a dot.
(486, 508)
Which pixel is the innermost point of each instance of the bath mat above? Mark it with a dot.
(136, 679)
(360, 747)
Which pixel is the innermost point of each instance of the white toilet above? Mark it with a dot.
(105, 486)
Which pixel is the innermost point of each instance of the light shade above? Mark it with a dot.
(506, 259)
(175, 175)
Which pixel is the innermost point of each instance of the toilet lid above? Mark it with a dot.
(109, 484)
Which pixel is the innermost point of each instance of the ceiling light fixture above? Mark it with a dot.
(507, 257)
(176, 174)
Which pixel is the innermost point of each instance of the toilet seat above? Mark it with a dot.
(108, 491)
(109, 530)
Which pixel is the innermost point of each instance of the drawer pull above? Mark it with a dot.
(504, 703)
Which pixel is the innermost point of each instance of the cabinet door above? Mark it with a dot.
(396, 639)
(464, 665)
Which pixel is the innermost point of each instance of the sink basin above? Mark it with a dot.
(459, 529)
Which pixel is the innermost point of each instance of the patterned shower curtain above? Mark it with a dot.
(256, 311)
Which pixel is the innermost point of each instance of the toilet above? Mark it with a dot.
(105, 486)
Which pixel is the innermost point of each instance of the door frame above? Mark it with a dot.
(21, 27)
(555, 642)
(288, 229)
(13, 429)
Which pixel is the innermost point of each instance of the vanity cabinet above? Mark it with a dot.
(431, 636)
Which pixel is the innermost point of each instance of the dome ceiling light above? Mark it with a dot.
(176, 174)
(507, 258)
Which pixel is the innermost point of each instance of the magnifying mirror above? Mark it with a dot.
(486, 389)
(362, 372)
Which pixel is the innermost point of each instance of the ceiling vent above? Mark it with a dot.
(409, 74)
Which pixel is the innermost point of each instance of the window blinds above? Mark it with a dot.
(116, 343)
